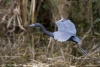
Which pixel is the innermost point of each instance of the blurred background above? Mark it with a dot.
(20, 45)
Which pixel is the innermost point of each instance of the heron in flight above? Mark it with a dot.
(66, 32)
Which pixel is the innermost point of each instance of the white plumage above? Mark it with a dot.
(66, 29)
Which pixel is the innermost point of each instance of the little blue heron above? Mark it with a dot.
(66, 31)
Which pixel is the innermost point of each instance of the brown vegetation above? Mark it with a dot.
(20, 46)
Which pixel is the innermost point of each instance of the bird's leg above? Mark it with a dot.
(82, 50)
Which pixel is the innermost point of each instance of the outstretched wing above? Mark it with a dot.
(66, 26)
(61, 36)
(66, 29)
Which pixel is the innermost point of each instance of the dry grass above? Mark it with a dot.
(23, 49)
(17, 50)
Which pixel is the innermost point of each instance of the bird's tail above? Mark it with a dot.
(75, 39)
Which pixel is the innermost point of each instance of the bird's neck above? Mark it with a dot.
(45, 31)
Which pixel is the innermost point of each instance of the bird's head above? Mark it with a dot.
(35, 25)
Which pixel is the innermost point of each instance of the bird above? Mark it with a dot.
(66, 32)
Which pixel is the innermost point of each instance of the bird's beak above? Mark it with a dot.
(32, 25)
